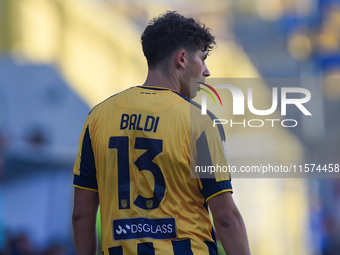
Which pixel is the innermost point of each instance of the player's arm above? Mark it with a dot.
(84, 221)
(217, 189)
(229, 224)
(86, 199)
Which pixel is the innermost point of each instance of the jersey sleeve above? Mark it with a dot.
(84, 168)
(212, 164)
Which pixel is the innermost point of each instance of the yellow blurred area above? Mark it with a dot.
(272, 10)
(96, 47)
(329, 38)
(299, 46)
(331, 86)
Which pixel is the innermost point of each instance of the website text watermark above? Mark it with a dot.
(264, 169)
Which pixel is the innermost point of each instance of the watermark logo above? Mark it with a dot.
(204, 96)
(238, 99)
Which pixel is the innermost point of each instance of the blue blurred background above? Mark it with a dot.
(59, 58)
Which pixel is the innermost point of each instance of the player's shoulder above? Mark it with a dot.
(108, 101)
(196, 112)
(194, 107)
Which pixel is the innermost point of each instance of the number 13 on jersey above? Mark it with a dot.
(145, 162)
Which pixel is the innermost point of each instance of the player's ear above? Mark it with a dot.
(180, 58)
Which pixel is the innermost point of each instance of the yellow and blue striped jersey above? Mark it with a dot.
(138, 149)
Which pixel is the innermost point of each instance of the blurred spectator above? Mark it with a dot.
(56, 249)
(1, 152)
(2, 121)
(331, 238)
(19, 245)
(2, 143)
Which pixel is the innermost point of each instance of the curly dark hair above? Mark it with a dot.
(170, 32)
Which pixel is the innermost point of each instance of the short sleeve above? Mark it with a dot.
(212, 165)
(84, 168)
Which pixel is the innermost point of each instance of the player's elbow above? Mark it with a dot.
(76, 217)
(81, 217)
(229, 221)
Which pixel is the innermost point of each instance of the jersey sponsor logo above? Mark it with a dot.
(136, 228)
(141, 122)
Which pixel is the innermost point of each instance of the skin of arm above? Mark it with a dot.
(229, 224)
(84, 221)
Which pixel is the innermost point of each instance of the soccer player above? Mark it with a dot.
(137, 156)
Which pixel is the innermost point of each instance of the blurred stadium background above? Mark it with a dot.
(58, 58)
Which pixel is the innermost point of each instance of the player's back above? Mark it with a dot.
(140, 140)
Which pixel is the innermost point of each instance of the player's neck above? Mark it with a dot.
(157, 78)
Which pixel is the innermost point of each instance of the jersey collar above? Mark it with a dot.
(152, 87)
